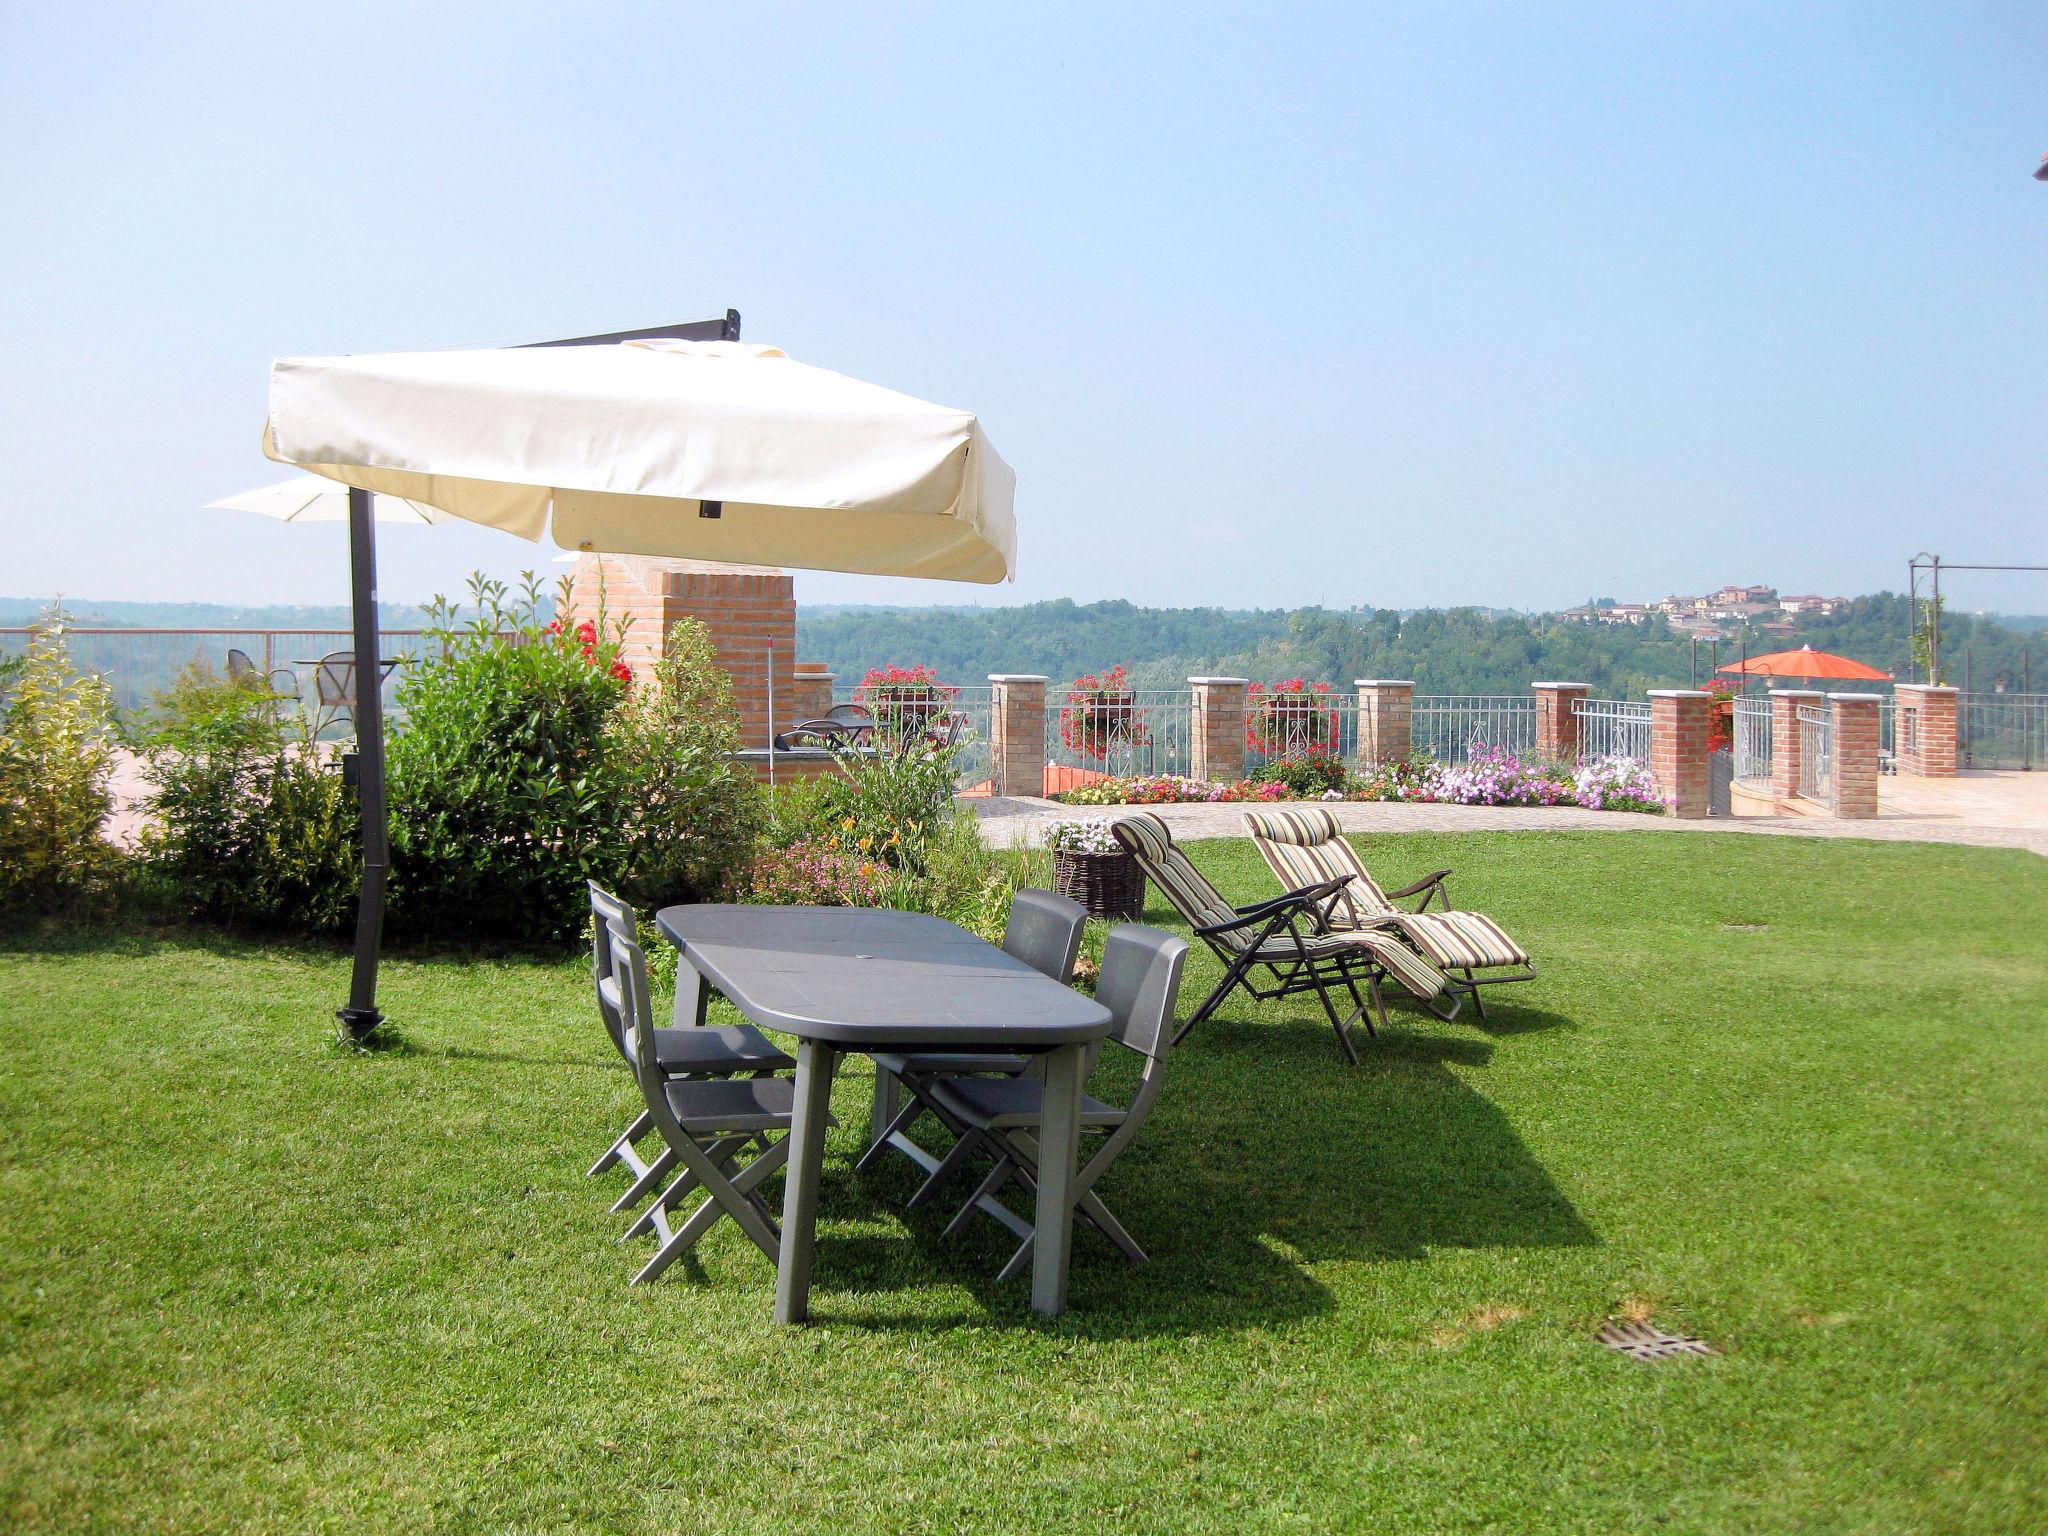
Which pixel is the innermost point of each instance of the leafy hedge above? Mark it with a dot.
(56, 758)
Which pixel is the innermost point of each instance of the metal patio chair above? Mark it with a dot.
(1302, 847)
(1141, 971)
(707, 1123)
(1284, 947)
(334, 684)
(691, 1049)
(1044, 931)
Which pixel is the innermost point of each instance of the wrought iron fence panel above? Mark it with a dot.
(1816, 752)
(2002, 730)
(1328, 724)
(1140, 732)
(1752, 738)
(1451, 728)
(1613, 728)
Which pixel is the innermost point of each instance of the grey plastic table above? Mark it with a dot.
(867, 979)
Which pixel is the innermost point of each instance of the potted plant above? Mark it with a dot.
(1093, 868)
(1290, 719)
(1101, 715)
(904, 700)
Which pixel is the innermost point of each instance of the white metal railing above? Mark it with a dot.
(1451, 728)
(1613, 728)
(1752, 738)
(140, 663)
(1816, 753)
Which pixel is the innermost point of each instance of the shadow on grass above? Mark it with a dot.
(1267, 1156)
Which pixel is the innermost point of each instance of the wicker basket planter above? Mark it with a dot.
(1107, 884)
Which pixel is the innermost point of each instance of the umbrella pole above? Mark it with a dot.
(361, 1015)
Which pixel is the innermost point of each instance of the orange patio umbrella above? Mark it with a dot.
(1807, 662)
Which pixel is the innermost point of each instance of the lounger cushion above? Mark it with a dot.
(1403, 963)
(1461, 940)
(1307, 846)
(1179, 881)
(1190, 894)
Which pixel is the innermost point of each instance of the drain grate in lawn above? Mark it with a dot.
(1642, 1342)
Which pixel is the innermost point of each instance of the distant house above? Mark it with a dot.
(1737, 597)
(1807, 602)
(1609, 613)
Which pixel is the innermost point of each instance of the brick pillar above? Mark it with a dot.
(1016, 733)
(1785, 704)
(1678, 749)
(1855, 777)
(1386, 715)
(810, 693)
(744, 608)
(1924, 730)
(1557, 727)
(1218, 728)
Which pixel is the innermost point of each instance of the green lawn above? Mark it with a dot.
(1786, 1094)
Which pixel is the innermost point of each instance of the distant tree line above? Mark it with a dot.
(1447, 650)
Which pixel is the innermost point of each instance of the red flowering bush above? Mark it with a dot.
(1290, 719)
(595, 650)
(1101, 716)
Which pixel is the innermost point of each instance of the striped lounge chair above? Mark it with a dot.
(1282, 947)
(1469, 947)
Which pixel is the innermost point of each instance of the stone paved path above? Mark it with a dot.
(1981, 808)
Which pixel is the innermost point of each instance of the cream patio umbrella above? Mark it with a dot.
(650, 443)
(314, 499)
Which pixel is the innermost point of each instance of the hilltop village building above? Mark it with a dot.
(1704, 615)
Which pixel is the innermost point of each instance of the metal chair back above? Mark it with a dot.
(334, 680)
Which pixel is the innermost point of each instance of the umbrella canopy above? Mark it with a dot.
(313, 499)
(713, 450)
(1807, 662)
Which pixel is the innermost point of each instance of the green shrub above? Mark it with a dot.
(505, 789)
(249, 822)
(689, 815)
(884, 805)
(1307, 775)
(56, 757)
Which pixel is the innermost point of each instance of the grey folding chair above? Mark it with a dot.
(1042, 930)
(691, 1049)
(1141, 970)
(707, 1123)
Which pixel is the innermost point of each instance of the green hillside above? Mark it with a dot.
(1457, 650)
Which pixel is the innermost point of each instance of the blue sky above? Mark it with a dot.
(1395, 305)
